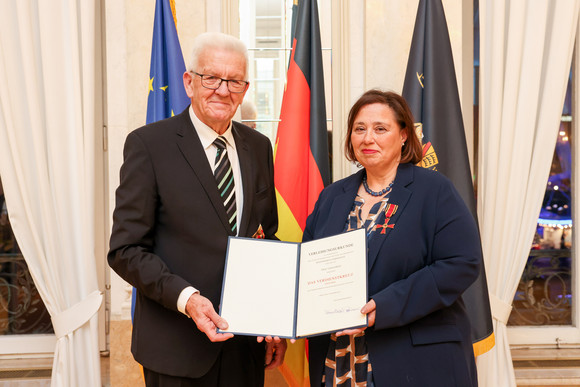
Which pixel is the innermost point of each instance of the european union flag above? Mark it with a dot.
(166, 93)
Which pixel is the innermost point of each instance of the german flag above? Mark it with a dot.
(301, 166)
(431, 90)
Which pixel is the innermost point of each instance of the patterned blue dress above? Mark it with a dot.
(347, 360)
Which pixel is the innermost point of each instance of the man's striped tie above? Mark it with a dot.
(225, 181)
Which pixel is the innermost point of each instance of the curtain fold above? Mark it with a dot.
(525, 53)
(48, 120)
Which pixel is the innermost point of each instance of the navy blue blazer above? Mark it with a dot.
(428, 255)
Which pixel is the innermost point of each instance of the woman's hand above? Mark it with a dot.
(370, 310)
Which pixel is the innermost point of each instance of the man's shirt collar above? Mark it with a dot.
(206, 134)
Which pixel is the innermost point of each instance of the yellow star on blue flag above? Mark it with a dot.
(166, 92)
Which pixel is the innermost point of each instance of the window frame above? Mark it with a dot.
(347, 69)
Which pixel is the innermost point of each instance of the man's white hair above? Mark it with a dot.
(218, 40)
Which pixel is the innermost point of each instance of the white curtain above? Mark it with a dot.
(48, 114)
(525, 56)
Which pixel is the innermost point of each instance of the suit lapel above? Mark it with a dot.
(248, 177)
(398, 197)
(190, 146)
(342, 204)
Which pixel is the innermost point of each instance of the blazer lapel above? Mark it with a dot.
(248, 177)
(190, 146)
(342, 204)
(398, 197)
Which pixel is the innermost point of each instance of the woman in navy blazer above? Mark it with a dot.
(423, 252)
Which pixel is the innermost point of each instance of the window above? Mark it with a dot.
(545, 311)
(265, 27)
(544, 294)
(21, 308)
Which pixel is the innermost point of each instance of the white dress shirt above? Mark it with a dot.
(207, 136)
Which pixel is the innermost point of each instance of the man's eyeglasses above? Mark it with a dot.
(212, 82)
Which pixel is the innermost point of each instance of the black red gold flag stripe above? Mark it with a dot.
(301, 166)
(301, 163)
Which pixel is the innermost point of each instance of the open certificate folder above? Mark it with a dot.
(293, 290)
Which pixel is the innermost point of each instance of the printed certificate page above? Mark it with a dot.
(259, 291)
(332, 285)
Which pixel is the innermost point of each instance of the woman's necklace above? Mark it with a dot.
(374, 193)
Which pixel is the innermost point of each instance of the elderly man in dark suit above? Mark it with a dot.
(187, 184)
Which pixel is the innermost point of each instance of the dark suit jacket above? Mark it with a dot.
(170, 231)
(417, 271)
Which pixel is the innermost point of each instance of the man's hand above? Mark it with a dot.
(275, 350)
(370, 308)
(200, 309)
